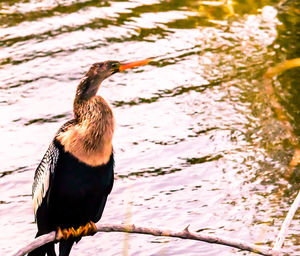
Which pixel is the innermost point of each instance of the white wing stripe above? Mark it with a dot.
(42, 176)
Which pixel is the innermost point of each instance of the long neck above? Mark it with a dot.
(87, 87)
(80, 107)
(96, 114)
(90, 137)
(84, 98)
(94, 110)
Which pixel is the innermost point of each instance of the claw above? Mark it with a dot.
(88, 230)
(92, 228)
(59, 234)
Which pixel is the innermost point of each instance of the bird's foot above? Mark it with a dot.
(88, 230)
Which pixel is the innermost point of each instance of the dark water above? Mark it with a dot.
(197, 140)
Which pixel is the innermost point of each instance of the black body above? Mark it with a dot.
(77, 194)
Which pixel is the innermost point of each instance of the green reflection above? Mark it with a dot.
(287, 87)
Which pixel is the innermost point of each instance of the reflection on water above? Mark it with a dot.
(197, 140)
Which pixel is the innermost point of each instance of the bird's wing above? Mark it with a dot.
(110, 165)
(43, 176)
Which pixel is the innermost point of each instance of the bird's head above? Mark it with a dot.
(90, 83)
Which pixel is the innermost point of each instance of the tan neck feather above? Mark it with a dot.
(90, 141)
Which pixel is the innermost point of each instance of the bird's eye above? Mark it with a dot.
(114, 65)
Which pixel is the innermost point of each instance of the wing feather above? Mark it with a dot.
(43, 173)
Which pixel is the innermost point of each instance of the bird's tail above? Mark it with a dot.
(65, 247)
(42, 250)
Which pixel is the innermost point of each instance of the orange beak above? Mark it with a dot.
(134, 64)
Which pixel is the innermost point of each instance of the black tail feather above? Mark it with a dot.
(41, 251)
(65, 247)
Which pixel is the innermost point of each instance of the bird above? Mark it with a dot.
(76, 175)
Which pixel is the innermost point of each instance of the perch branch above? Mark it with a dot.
(284, 227)
(185, 234)
(37, 242)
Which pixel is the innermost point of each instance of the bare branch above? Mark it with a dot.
(39, 241)
(284, 227)
(185, 234)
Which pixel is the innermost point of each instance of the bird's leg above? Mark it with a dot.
(88, 230)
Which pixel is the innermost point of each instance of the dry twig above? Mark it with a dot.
(185, 234)
(288, 219)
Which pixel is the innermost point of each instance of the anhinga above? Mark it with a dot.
(75, 176)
